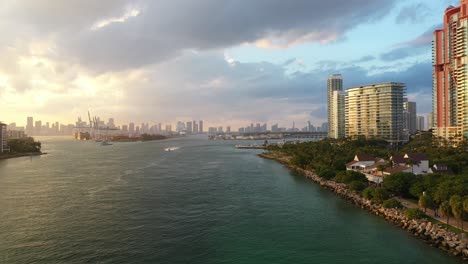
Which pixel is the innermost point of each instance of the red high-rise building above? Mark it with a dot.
(450, 87)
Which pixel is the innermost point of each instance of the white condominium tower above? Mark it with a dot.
(335, 103)
(376, 111)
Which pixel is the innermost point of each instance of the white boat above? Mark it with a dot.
(171, 149)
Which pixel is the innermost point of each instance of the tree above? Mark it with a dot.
(381, 168)
(357, 186)
(392, 203)
(398, 183)
(457, 208)
(414, 213)
(368, 193)
(425, 201)
(445, 210)
(380, 195)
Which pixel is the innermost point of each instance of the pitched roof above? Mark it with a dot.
(417, 156)
(351, 163)
(396, 169)
(364, 157)
(377, 164)
(398, 159)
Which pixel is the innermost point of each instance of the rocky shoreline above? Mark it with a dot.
(434, 234)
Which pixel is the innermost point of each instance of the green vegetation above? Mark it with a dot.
(414, 213)
(147, 137)
(328, 158)
(24, 145)
(392, 203)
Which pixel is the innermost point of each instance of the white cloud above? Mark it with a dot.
(106, 22)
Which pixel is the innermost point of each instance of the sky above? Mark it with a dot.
(229, 62)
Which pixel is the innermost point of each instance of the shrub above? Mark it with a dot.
(414, 213)
(392, 203)
(357, 186)
(399, 183)
(368, 193)
(380, 195)
(326, 174)
(350, 176)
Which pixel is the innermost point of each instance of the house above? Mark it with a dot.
(362, 161)
(418, 162)
(440, 169)
(395, 169)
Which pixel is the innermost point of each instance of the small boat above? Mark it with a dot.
(170, 149)
(105, 143)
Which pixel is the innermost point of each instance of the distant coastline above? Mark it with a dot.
(433, 233)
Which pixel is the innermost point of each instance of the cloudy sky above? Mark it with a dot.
(227, 62)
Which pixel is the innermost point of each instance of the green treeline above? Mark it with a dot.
(447, 194)
(24, 145)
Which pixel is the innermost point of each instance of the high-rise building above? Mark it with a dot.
(376, 111)
(195, 127)
(189, 127)
(335, 104)
(450, 76)
(228, 129)
(30, 126)
(38, 128)
(420, 124)
(131, 129)
(200, 127)
(410, 116)
(3, 138)
(430, 120)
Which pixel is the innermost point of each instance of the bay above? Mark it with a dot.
(205, 202)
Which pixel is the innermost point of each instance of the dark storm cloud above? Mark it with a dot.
(165, 28)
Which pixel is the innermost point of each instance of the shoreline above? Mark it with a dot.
(435, 235)
(20, 155)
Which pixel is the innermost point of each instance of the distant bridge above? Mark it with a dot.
(313, 135)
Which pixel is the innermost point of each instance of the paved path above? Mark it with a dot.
(452, 221)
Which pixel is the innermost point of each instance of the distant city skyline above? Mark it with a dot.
(270, 65)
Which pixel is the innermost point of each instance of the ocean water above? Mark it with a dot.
(206, 202)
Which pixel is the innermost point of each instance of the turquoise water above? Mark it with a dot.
(206, 202)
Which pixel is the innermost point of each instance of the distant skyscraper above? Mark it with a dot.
(200, 127)
(3, 138)
(189, 127)
(30, 126)
(410, 116)
(335, 104)
(274, 128)
(376, 111)
(450, 76)
(38, 128)
(195, 127)
(228, 129)
(420, 124)
(131, 129)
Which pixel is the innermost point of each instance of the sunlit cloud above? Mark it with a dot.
(106, 22)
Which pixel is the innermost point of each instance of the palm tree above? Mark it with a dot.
(445, 210)
(425, 201)
(457, 208)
